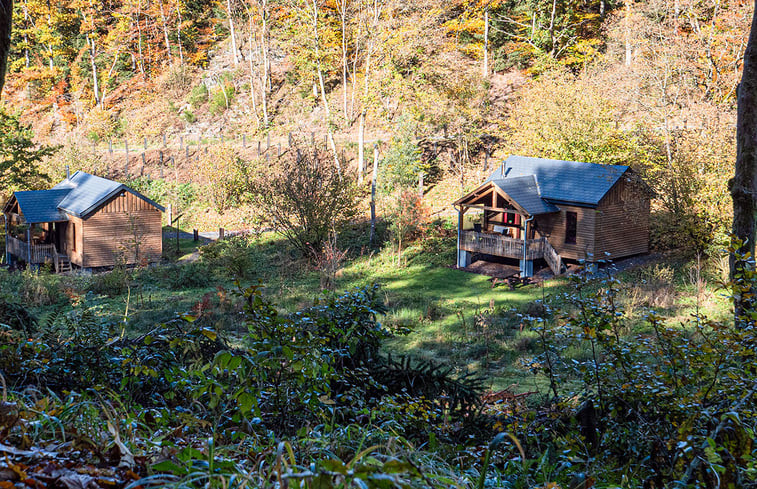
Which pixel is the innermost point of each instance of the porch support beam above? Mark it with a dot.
(29, 245)
(463, 257)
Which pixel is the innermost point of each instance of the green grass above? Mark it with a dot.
(448, 316)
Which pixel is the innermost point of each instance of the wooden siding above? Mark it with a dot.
(111, 232)
(623, 220)
(552, 227)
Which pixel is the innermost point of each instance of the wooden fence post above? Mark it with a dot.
(195, 235)
(142, 170)
(221, 233)
(290, 139)
(258, 148)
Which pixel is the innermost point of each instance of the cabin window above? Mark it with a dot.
(571, 224)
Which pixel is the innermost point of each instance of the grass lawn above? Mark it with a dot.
(446, 315)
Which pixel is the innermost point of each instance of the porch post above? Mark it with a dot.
(7, 254)
(29, 245)
(463, 257)
(526, 265)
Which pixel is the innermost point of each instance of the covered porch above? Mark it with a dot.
(33, 241)
(504, 225)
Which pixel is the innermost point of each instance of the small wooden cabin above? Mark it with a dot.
(534, 208)
(85, 220)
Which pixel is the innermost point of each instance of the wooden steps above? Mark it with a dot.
(62, 263)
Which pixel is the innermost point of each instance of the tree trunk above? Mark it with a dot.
(743, 184)
(95, 85)
(486, 43)
(6, 7)
(165, 33)
(231, 31)
(361, 148)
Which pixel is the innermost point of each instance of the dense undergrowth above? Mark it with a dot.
(242, 392)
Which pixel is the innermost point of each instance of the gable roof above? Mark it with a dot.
(41, 205)
(562, 181)
(79, 195)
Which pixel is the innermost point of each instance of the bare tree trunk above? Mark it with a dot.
(361, 148)
(264, 46)
(165, 33)
(141, 63)
(374, 177)
(744, 182)
(6, 7)
(95, 84)
(627, 33)
(233, 35)
(178, 34)
(251, 42)
(343, 18)
(486, 43)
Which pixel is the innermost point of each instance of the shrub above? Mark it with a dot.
(232, 256)
(306, 197)
(198, 95)
(221, 99)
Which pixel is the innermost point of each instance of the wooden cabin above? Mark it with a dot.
(534, 208)
(85, 220)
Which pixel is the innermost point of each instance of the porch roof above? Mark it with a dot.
(525, 192)
(521, 192)
(38, 206)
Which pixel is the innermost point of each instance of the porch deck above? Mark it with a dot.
(499, 245)
(37, 253)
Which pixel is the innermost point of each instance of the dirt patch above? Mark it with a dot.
(496, 270)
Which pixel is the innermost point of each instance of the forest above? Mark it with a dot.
(315, 332)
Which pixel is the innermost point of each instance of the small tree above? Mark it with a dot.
(19, 155)
(305, 198)
(408, 214)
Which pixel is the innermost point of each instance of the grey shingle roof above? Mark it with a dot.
(87, 192)
(524, 191)
(41, 205)
(79, 196)
(562, 181)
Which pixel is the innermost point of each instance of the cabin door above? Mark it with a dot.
(60, 237)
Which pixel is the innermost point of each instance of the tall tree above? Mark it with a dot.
(744, 182)
(6, 9)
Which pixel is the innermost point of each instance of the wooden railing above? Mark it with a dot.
(498, 245)
(40, 252)
(553, 258)
(16, 247)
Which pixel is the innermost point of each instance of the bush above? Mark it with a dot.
(198, 95)
(232, 256)
(221, 99)
(306, 197)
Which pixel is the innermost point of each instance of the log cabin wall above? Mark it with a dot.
(623, 220)
(111, 232)
(553, 226)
